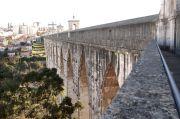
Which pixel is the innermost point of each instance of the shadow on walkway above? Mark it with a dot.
(173, 62)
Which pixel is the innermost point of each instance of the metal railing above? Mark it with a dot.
(173, 86)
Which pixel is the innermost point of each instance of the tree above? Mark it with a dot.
(5, 71)
(67, 108)
(5, 54)
(32, 94)
(23, 66)
(35, 95)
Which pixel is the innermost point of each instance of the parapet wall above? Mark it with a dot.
(146, 93)
(129, 34)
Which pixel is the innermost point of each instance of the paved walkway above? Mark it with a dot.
(146, 93)
(173, 63)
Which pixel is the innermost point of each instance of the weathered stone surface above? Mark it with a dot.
(168, 26)
(124, 35)
(146, 93)
(91, 75)
(94, 61)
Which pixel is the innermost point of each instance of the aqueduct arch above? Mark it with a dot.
(69, 66)
(110, 86)
(61, 63)
(83, 87)
(69, 80)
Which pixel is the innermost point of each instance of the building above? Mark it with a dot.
(25, 54)
(2, 48)
(16, 29)
(73, 24)
(168, 26)
(11, 54)
(26, 29)
(33, 30)
(52, 27)
(60, 28)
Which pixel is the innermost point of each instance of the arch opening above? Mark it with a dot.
(70, 84)
(110, 86)
(84, 89)
(69, 67)
(74, 27)
(62, 63)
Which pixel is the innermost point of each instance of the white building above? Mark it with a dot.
(11, 54)
(2, 49)
(16, 29)
(33, 30)
(60, 28)
(26, 29)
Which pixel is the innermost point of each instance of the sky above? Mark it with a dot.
(89, 12)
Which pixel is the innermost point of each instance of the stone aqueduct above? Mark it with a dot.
(95, 61)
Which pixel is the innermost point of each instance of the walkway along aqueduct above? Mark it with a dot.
(96, 61)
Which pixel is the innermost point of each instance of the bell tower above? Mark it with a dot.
(73, 24)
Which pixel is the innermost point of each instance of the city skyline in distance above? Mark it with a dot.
(88, 12)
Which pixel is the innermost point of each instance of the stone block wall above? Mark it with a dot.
(116, 36)
(168, 26)
(95, 62)
(146, 93)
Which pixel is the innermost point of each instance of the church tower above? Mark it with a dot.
(73, 24)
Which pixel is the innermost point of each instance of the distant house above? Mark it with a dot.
(25, 54)
(5, 42)
(2, 49)
(26, 48)
(38, 48)
(13, 47)
(11, 54)
(10, 48)
(1, 39)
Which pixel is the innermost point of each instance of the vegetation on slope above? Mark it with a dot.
(34, 92)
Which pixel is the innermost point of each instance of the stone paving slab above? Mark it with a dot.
(146, 93)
